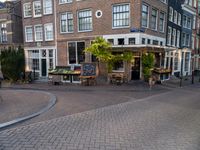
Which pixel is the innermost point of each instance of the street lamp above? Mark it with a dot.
(181, 75)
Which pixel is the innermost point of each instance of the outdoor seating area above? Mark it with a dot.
(117, 78)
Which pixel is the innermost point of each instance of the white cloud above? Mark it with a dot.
(2, 0)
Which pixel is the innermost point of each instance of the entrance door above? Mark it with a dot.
(135, 73)
(44, 67)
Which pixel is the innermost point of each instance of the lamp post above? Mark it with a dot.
(181, 75)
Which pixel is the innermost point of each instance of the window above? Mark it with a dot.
(176, 61)
(193, 42)
(48, 32)
(162, 22)
(189, 23)
(118, 65)
(37, 10)
(170, 14)
(187, 43)
(51, 56)
(47, 7)
(121, 41)
(33, 60)
(178, 38)
(29, 34)
(164, 1)
(175, 16)
(85, 20)
(143, 41)
(179, 19)
(75, 52)
(183, 39)
(27, 10)
(145, 15)
(131, 41)
(66, 23)
(169, 36)
(174, 37)
(3, 35)
(65, 1)
(187, 58)
(148, 41)
(161, 43)
(111, 41)
(38, 33)
(121, 15)
(184, 21)
(154, 19)
(194, 22)
(155, 42)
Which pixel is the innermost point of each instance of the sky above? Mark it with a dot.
(2, 0)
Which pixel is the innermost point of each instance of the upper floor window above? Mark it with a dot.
(154, 15)
(164, 1)
(170, 14)
(184, 21)
(66, 22)
(65, 1)
(175, 16)
(27, 10)
(145, 15)
(169, 36)
(121, 15)
(178, 38)
(47, 7)
(174, 37)
(179, 19)
(37, 9)
(85, 20)
(38, 33)
(29, 34)
(162, 22)
(189, 22)
(48, 32)
(3, 33)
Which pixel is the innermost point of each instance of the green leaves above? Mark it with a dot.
(148, 64)
(12, 63)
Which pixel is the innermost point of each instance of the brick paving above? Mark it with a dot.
(21, 103)
(167, 121)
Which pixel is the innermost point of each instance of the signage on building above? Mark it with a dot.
(88, 69)
(137, 30)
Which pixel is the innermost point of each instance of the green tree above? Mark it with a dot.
(12, 63)
(148, 64)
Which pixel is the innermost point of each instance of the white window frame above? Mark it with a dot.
(67, 23)
(169, 36)
(174, 37)
(156, 19)
(26, 33)
(125, 26)
(38, 25)
(83, 10)
(45, 8)
(163, 27)
(175, 16)
(34, 15)
(179, 19)
(45, 34)
(178, 34)
(65, 1)
(171, 13)
(147, 15)
(24, 5)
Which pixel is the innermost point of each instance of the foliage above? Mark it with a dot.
(102, 50)
(148, 64)
(12, 63)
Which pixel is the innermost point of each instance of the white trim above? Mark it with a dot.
(82, 10)
(45, 32)
(65, 2)
(24, 10)
(26, 35)
(40, 15)
(38, 25)
(51, 7)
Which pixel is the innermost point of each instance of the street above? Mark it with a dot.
(165, 121)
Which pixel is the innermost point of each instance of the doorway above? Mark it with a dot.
(135, 69)
(44, 67)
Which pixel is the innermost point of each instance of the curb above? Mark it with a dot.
(51, 103)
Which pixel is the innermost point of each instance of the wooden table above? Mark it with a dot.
(88, 80)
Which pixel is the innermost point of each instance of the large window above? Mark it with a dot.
(170, 14)
(85, 20)
(189, 23)
(162, 22)
(175, 16)
(178, 39)
(121, 15)
(154, 15)
(47, 6)
(179, 19)
(145, 15)
(187, 58)
(38, 33)
(65, 1)
(169, 34)
(33, 60)
(187, 43)
(66, 23)
(184, 21)
(176, 61)
(174, 37)
(29, 34)
(183, 39)
(48, 30)
(37, 9)
(27, 10)
(75, 52)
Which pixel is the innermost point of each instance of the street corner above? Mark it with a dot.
(20, 105)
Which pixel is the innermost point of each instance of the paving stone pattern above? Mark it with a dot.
(168, 121)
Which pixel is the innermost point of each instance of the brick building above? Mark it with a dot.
(39, 36)
(10, 24)
(135, 25)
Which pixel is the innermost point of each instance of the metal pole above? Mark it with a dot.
(181, 76)
(192, 71)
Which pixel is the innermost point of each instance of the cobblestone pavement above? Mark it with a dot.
(21, 103)
(167, 121)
